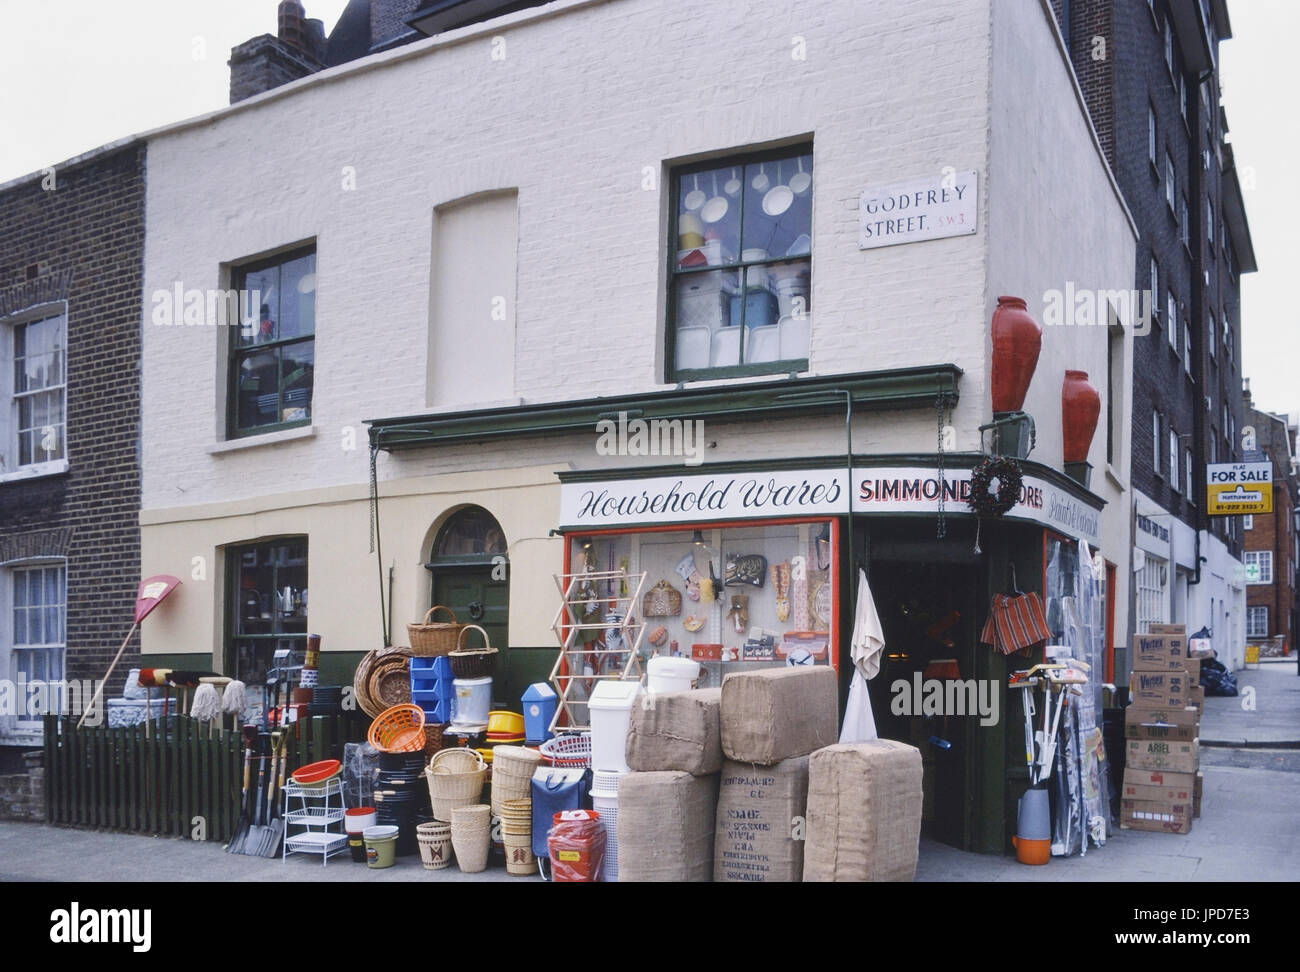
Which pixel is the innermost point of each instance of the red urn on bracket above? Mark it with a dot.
(1017, 339)
(1080, 407)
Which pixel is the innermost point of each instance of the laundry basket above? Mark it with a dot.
(456, 778)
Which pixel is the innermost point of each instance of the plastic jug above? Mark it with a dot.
(1033, 840)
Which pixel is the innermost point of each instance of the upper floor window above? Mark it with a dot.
(1259, 566)
(1248, 521)
(1210, 332)
(1151, 138)
(1154, 303)
(1169, 48)
(741, 266)
(1182, 96)
(1174, 478)
(1187, 344)
(1155, 441)
(1171, 310)
(1171, 190)
(35, 385)
(273, 352)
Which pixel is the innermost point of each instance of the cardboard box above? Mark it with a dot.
(1163, 689)
(1197, 789)
(1156, 653)
(1157, 785)
(1196, 697)
(1167, 629)
(1160, 754)
(1158, 815)
(1141, 722)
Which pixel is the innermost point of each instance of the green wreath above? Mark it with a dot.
(986, 503)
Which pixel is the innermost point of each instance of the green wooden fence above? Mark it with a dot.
(183, 781)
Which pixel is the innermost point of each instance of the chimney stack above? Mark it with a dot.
(266, 61)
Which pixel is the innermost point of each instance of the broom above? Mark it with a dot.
(207, 705)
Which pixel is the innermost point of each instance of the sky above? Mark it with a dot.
(75, 74)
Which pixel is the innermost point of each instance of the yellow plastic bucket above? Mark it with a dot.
(381, 846)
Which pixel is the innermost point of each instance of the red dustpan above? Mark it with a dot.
(148, 596)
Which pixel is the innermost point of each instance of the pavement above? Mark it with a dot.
(1266, 711)
(1249, 829)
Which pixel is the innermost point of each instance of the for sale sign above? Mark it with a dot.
(1239, 487)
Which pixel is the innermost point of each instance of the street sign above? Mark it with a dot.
(1234, 488)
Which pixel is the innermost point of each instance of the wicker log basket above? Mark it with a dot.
(430, 638)
(472, 662)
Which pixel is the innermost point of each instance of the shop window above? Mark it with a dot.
(273, 350)
(37, 623)
(774, 592)
(33, 377)
(1152, 604)
(1259, 566)
(740, 266)
(267, 610)
(1256, 622)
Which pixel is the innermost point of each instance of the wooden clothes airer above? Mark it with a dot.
(1058, 680)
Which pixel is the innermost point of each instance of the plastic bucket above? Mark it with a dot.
(611, 714)
(357, 847)
(359, 819)
(381, 846)
(665, 675)
(473, 701)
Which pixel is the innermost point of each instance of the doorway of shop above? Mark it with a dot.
(929, 613)
(470, 570)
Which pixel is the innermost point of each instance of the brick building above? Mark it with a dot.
(1272, 542)
(71, 255)
(1149, 73)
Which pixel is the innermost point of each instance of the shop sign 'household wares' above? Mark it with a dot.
(456, 778)
(471, 836)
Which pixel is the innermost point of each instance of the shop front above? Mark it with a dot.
(762, 563)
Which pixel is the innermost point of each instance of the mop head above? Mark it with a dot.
(207, 704)
(233, 699)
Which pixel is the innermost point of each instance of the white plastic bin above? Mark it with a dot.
(472, 701)
(664, 675)
(611, 715)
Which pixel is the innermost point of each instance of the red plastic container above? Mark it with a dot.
(577, 846)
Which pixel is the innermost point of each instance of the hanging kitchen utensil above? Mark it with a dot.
(695, 198)
(732, 185)
(778, 199)
(760, 182)
(717, 206)
(662, 601)
(801, 180)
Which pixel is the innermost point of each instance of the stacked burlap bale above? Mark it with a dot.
(677, 731)
(864, 812)
(771, 720)
(775, 713)
(665, 826)
(760, 822)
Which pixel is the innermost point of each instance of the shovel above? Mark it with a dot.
(258, 832)
(277, 819)
(236, 844)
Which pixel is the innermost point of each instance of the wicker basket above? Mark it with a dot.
(362, 683)
(435, 845)
(398, 730)
(472, 662)
(471, 837)
(390, 680)
(433, 737)
(512, 775)
(451, 785)
(519, 854)
(431, 638)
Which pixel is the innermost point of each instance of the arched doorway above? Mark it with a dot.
(470, 573)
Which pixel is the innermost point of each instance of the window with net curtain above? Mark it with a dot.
(740, 258)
